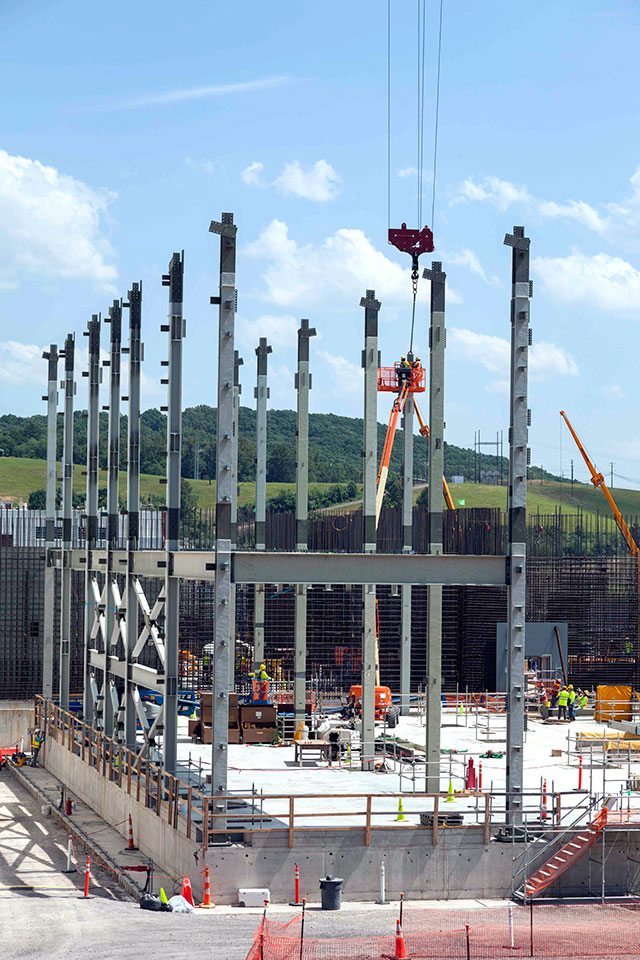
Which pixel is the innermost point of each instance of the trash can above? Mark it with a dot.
(331, 892)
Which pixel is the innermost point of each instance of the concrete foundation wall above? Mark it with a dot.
(16, 718)
(459, 866)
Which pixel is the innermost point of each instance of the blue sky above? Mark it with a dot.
(127, 128)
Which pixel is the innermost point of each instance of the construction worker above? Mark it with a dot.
(572, 700)
(628, 646)
(582, 700)
(563, 700)
(37, 738)
(417, 365)
(555, 690)
(403, 369)
(264, 678)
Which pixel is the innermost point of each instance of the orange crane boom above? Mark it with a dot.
(424, 432)
(597, 480)
(383, 471)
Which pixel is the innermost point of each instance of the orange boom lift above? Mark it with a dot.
(597, 480)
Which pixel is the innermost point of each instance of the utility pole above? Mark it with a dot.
(92, 590)
(226, 301)
(437, 342)
(69, 387)
(136, 355)
(112, 595)
(519, 456)
(176, 330)
(48, 643)
(302, 386)
(370, 363)
(407, 547)
(262, 395)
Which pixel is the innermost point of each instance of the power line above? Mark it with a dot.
(388, 114)
(437, 120)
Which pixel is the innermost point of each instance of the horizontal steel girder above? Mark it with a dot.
(141, 675)
(356, 568)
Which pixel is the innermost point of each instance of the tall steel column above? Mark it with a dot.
(136, 355)
(407, 540)
(113, 475)
(237, 390)
(48, 642)
(226, 230)
(437, 342)
(94, 375)
(176, 328)
(67, 514)
(369, 474)
(262, 395)
(303, 386)
(517, 506)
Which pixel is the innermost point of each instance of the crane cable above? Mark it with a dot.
(421, 61)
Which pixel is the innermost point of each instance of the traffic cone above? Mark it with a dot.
(450, 796)
(163, 896)
(401, 815)
(206, 903)
(186, 891)
(130, 845)
(401, 950)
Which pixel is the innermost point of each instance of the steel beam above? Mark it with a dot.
(94, 375)
(176, 330)
(113, 474)
(302, 386)
(68, 384)
(48, 642)
(370, 363)
(136, 355)
(226, 230)
(517, 507)
(237, 390)
(437, 340)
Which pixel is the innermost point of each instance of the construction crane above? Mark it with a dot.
(424, 432)
(402, 380)
(597, 480)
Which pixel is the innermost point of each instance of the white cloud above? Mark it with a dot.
(192, 93)
(546, 360)
(501, 193)
(22, 363)
(51, 225)
(298, 275)
(600, 281)
(319, 182)
(406, 172)
(347, 375)
(612, 390)
(280, 331)
(203, 166)
(252, 175)
(467, 258)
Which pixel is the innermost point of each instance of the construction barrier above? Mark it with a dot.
(605, 932)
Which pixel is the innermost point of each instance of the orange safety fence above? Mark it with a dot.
(578, 931)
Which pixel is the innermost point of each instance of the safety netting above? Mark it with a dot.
(577, 931)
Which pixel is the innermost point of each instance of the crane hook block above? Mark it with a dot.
(414, 242)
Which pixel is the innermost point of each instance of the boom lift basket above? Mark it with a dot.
(388, 381)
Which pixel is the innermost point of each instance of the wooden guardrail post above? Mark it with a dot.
(189, 799)
(291, 816)
(487, 819)
(435, 824)
(205, 822)
(367, 828)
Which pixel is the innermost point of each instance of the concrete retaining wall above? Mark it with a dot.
(459, 866)
(16, 717)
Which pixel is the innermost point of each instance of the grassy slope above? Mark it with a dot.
(19, 476)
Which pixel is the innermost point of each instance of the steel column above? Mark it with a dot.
(176, 329)
(113, 475)
(437, 341)
(407, 538)
(237, 390)
(370, 458)
(303, 386)
(67, 514)
(261, 394)
(517, 507)
(48, 642)
(136, 354)
(224, 479)
(94, 375)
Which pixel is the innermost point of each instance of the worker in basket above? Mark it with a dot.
(417, 364)
(263, 685)
(403, 370)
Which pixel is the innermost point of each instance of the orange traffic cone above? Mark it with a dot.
(401, 950)
(130, 845)
(186, 891)
(207, 891)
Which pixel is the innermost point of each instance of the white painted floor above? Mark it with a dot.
(272, 771)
